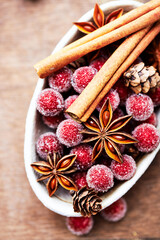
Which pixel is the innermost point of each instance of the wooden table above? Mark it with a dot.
(29, 32)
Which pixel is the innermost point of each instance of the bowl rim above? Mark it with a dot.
(55, 204)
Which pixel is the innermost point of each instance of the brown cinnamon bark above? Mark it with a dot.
(85, 100)
(59, 60)
(131, 58)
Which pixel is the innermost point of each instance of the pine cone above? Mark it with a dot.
(141, 78)
(86, 201)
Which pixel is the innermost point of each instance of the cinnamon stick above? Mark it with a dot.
(80, 106)
(57, 61)
(129, 61)
(126, 18)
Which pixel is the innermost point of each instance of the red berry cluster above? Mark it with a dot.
(64, 132)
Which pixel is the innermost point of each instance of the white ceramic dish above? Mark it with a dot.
(34, 127)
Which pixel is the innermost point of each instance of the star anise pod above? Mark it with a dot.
(153, 52)
(99, 19)
(105, 132)
(56, 169)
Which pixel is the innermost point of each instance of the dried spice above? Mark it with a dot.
(56, 169)
(153, 53)
(99, 20)
(86, 201)
(141, 78)
(105, 132)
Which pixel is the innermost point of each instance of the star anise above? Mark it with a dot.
(99, 19)
(105, 132)
(56, 170)
(153, 52)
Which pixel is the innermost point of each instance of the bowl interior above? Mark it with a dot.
(61, 203)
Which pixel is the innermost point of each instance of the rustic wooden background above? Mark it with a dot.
(29, 30)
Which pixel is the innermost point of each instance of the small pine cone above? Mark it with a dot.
(86, 201)
(141, 78)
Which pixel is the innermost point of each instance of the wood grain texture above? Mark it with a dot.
(29, 32)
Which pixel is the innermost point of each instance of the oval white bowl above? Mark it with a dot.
(62, 203)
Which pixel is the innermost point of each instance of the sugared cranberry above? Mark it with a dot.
(79, 179)
(81, 77)
(155, 96)
(98, 63)
(113, 97)
(139, 106)
(152, 120)
(84, 156)
(53, 122)
(61, 80)
(67, 103)
(50, 102)
(116, 211)
(148, 137)
(122, 91)
(68, 133)
(79, 225)
(100, 178)
(125, 170)
(47, 144)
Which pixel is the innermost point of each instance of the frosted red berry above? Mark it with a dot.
(116, 211)
(125, 170)
(122, 91)
(68, 102)
(47, 144)
(100, 178)
(53, 122)
(148, 137)
(79, 225)
(61, 80)
(79, 179)
(81, 77)
(139, 106)
(98, 63)
(68, 133)
(84, 156)
(155, 96)
(152, 120)
(113, 97)
(50, 102)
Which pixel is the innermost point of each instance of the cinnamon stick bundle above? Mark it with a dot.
(60, 59)
(114, 67)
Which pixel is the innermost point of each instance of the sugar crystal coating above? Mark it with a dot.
(68, 133)
(155, 96)
(125, 170)
(148, 137)
(79, 179)
(67, 103)
(47, 144)
(100, 178)
(53, 122)
(61, 80)
(113, 97)
(50, 102)
(81, 77)
(116, 211)
(139, 106)
(98, 63)
(79, 225)
(84, 156)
